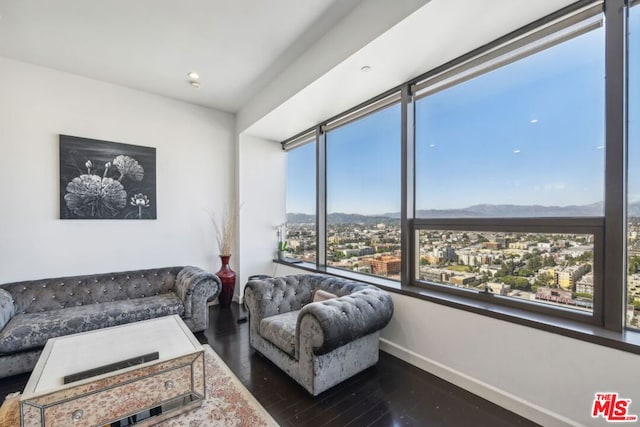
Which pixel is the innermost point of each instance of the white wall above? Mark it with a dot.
(262, 174)
(364, 23)
(543, 376)
(195, 174)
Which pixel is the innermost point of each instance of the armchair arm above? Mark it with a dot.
(7, 309)
(348, 318)
(195, 287)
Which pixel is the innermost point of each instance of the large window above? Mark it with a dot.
(363, 194)
(497, 178)
(301, 233)
(525, 140)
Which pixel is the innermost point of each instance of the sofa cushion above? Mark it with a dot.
(32, 330)
(34, 296)
(280, 330)
(319, 295)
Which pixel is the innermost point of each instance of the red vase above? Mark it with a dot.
(228, 278)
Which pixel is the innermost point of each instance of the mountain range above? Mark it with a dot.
(475, 211)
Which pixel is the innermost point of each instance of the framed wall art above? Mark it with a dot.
(106, 180)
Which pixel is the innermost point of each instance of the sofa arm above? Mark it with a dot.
(348, 318)
(7, 309)
(195, 287)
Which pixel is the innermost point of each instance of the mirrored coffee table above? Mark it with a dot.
(139, 373)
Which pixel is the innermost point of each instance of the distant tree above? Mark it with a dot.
(516, 282)
(534, 262)
(634, 264)
(525, 272)
(544, 280)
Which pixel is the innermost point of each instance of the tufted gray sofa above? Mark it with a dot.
(318, 344)
(33, 311)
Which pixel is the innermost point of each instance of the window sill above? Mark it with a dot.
(627, 340)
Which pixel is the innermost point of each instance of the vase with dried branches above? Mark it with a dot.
(225, 233)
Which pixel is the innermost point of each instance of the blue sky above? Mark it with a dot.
(528, 133)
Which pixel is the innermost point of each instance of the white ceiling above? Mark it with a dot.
(436, 33)
(239, 47)
(151, 45)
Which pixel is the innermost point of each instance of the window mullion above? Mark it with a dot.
(407, 210)
(615, 182)
(321, 197)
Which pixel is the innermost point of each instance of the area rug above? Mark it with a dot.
(227, 403)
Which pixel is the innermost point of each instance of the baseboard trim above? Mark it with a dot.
(493, 394)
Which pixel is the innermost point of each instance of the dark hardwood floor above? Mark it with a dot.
(392, 393)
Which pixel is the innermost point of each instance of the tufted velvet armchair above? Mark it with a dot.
(33, 311)
(318, 344)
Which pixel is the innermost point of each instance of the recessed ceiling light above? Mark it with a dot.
(195, 84)
(365, 68)
(193, 75)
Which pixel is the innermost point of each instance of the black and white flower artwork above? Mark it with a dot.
(106, 180)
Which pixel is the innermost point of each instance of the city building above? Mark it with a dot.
(385, 265)
(585, 284)
(498, 288)
(567, 277)
(493, 245)
(554, 294)
(462, 279)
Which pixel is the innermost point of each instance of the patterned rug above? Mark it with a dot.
(228, 402)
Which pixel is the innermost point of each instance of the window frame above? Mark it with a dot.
(292, 144)
(388, 100)
(609, 230)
